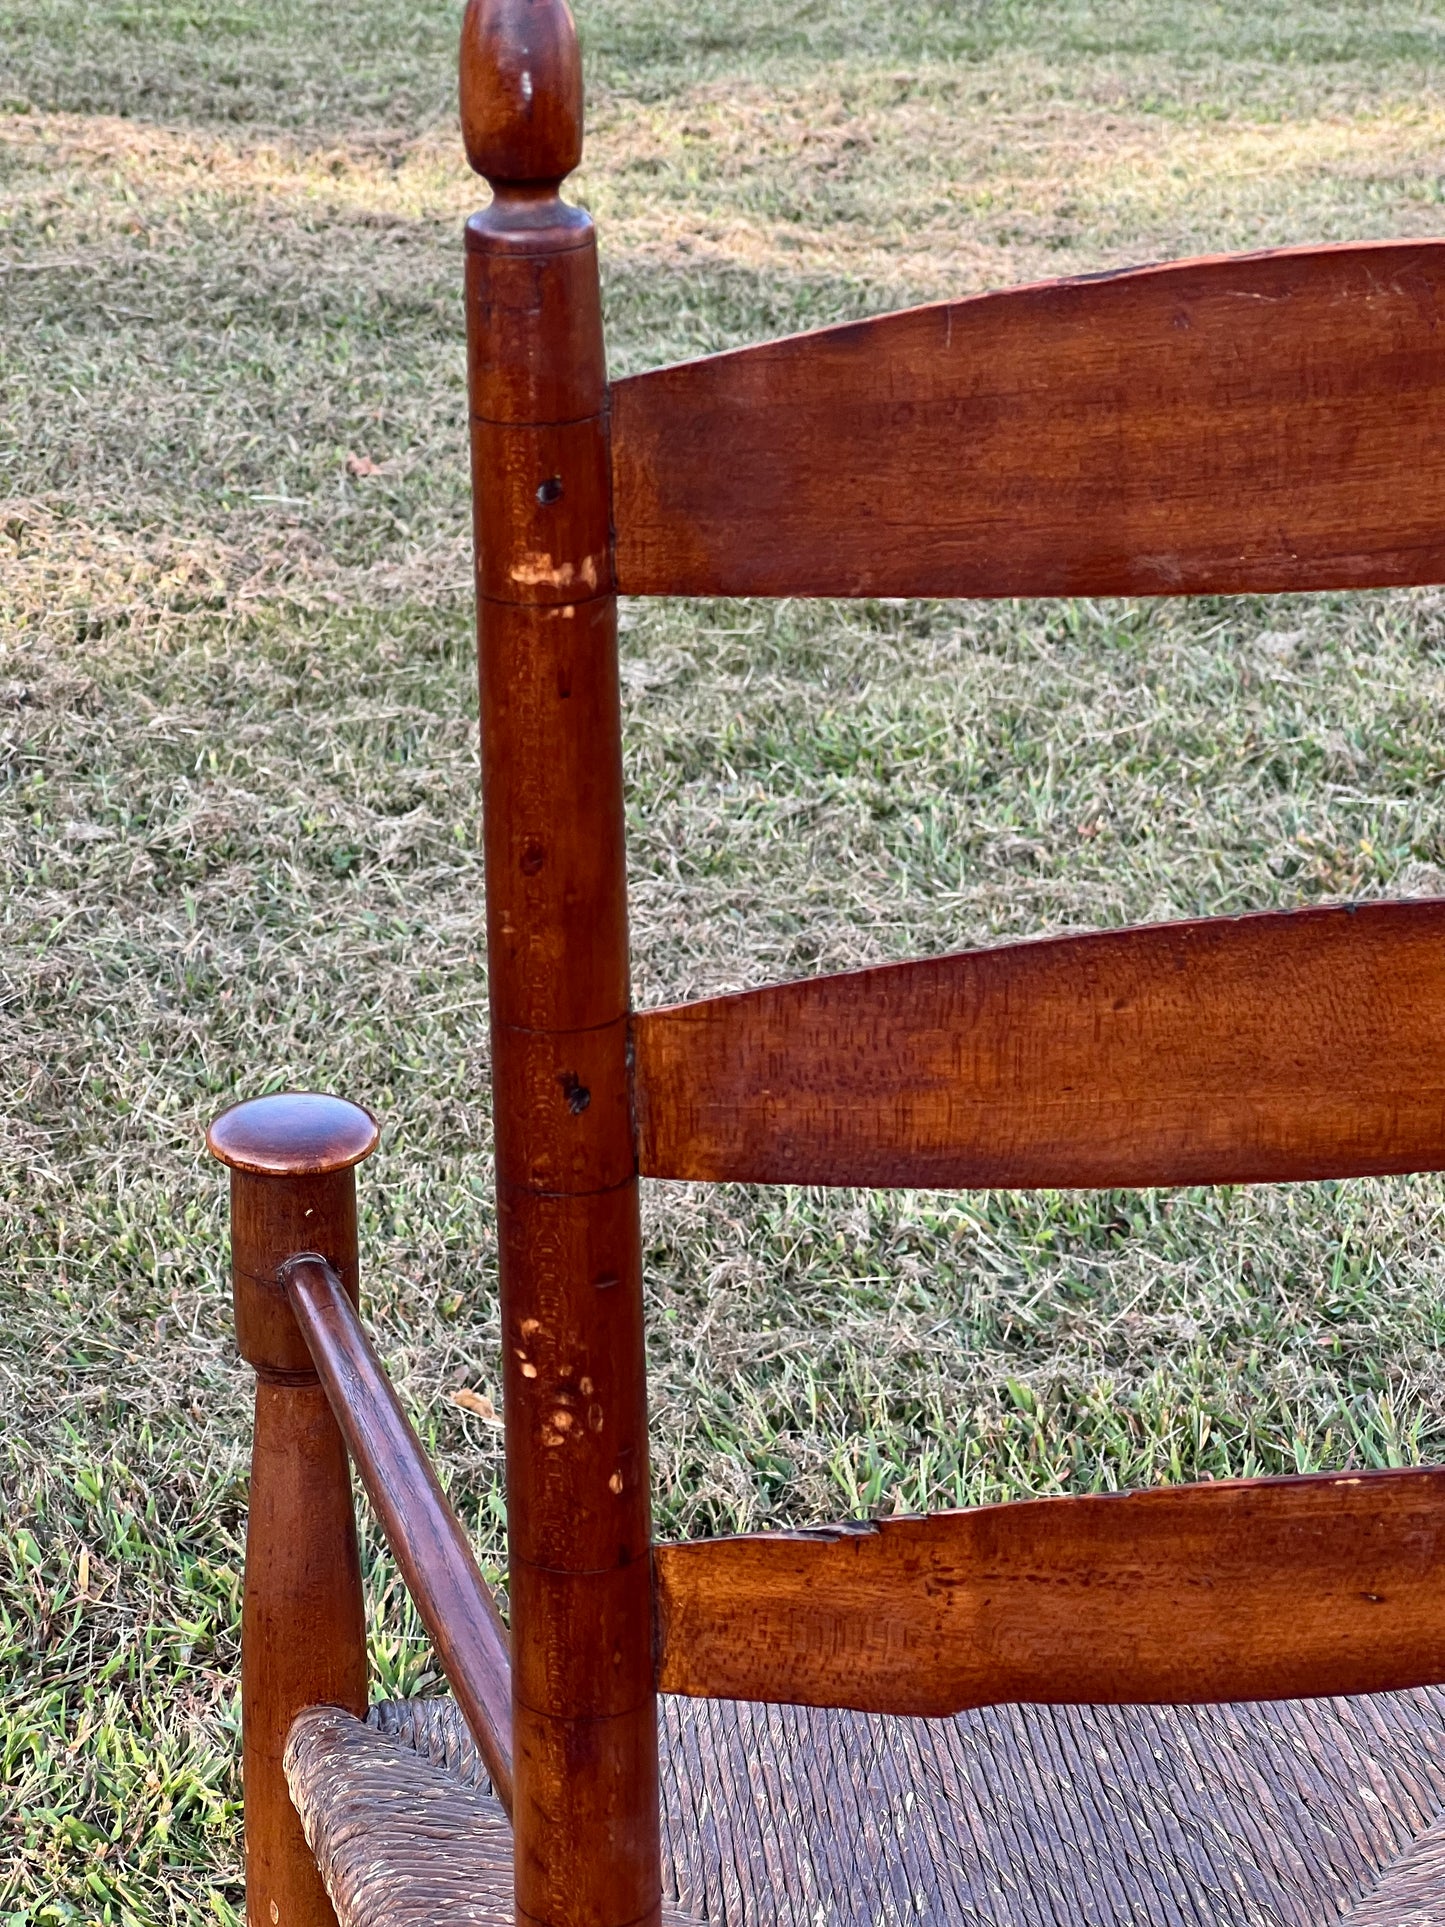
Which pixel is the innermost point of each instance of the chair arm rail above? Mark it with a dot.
(425, 1535)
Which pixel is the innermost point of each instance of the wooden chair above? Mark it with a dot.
(1087, 1710)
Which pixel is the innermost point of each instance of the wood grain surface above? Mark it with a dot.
(1245, 1589)
(303, 1628)
(294, 1135)
(578, 1525)
(425, 1536)
(1268, 421)
(303, 1631)
(521, 91)
(1306, 1044)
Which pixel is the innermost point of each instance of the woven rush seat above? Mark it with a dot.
(1290, 1813)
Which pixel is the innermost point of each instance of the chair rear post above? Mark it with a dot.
(584, 1708)
(303, 1630)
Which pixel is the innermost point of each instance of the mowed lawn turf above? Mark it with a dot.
(239, 838)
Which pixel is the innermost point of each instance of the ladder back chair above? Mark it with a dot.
(1216, 1703)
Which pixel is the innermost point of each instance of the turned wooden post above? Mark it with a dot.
(584, 1708)
(303, 1635)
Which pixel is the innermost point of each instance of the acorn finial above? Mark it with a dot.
(521, 91)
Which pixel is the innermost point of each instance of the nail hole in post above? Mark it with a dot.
(576, 1093)
(550, 491)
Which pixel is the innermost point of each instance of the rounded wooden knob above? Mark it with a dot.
(295, 1134)
(521, 91)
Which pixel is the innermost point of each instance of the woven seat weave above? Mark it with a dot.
(1287, 1814)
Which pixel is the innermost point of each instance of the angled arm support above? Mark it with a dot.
(424, 1534)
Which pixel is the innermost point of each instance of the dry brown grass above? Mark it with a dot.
(941, 183)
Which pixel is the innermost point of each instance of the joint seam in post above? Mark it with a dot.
(583, 1030)
(634, 1114)
(273, 1281)
(601, 1191)
(537, 1920)
(562, 602)
(268, 1280)
(273, 1375)
(602, 414)
(499, 242)
(634, 1922)
(578, 602)
(307, 1256)
(655, 1590)
(587, 1720)
(264, 1280)
(584, 1572)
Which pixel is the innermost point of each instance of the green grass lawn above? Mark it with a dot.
(239, 834)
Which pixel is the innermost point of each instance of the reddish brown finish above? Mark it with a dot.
(528, 300)
(567, 1127)
(303, 1635)
(293, 1134)
(1247, 1589)
(423, 1532)
(541, 512)
(1304, 1045)
(584, 1717)
(550, 699)
(312, 1142)
(1247, 423)
(1266, 422)
(573, 1409)
(587, 1616)
(521, 91)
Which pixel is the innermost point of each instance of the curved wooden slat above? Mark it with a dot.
(1256, 422)
(1245, 1589)
(1305, 1044)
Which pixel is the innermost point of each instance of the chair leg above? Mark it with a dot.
(303, 1637)
(303, 1633)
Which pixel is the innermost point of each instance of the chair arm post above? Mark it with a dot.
(303, 1634)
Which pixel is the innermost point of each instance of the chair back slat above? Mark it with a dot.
(1258, 422)
(1306, 1044)
(1244, 1589)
